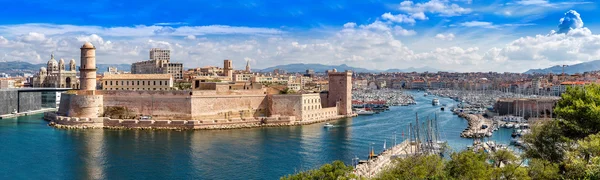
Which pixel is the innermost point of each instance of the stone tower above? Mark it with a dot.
(248, 67)
(88, 67)
(228, 68)
(340, 91)
(72, 65)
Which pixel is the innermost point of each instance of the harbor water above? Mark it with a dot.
(32, 150)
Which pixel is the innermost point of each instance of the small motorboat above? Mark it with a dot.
(364, 112)
(328, 125)
(442, 108)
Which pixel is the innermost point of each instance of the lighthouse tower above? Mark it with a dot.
(88, 67)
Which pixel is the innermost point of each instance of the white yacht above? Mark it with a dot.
(364, 112)
(435, 102)
(328, 125)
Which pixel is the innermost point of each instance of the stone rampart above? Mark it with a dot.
(158, 104)
(228, 107)
(286, 105)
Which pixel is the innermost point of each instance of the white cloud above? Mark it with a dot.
(403, 32)
(446, 37)
(190, 37)
(490, 25)
(136, 31)
(399, 18)
(441, 7)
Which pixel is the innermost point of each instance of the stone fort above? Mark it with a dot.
(212, 105)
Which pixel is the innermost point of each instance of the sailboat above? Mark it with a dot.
(384, 143)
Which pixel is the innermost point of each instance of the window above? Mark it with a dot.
(128, 83)
(117, 82)
(143, 83)
(154, 84)
(160, 83)
(122, 83)
(105, 83)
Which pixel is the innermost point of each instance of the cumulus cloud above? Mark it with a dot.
(447, 37)
(441, 7)
(571, 20)
(572, 43)
(399, 18)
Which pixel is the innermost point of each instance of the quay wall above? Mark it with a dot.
(9, 101)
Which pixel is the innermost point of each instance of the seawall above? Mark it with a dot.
(234, 123)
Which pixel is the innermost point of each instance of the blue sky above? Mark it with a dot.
(460, 35)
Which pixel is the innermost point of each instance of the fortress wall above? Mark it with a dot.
(227, 107)
(65, 104)
(286, 105)
(86, 106)
(158, 104)
(320, 114)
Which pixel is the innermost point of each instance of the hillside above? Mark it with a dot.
(571, 69)
(300, 67)
(15, 66)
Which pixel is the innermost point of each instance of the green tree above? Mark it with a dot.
(503, 157)
(510, 171)
(334, 171)
(583, 162)
(415, 167)
(469, 165)
(543, 169)
(547, 142)
(580, 109)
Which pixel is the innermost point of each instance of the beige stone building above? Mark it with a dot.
(56, 75)
(152, 82)
(159, 63)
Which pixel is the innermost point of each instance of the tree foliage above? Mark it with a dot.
(469, 165)
(334, 171)
(580, 110)
(415, 167)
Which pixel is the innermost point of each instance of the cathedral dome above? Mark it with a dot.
(43, 69)
(62, 61)
(52, 62)
(72, 61)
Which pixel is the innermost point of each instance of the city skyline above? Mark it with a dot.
(458, 35)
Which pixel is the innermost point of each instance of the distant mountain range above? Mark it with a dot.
(571, 69)
(14, 66)
(300, 67)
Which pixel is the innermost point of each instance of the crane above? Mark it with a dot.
(563, 71)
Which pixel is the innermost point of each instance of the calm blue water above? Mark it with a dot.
(29, 149)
